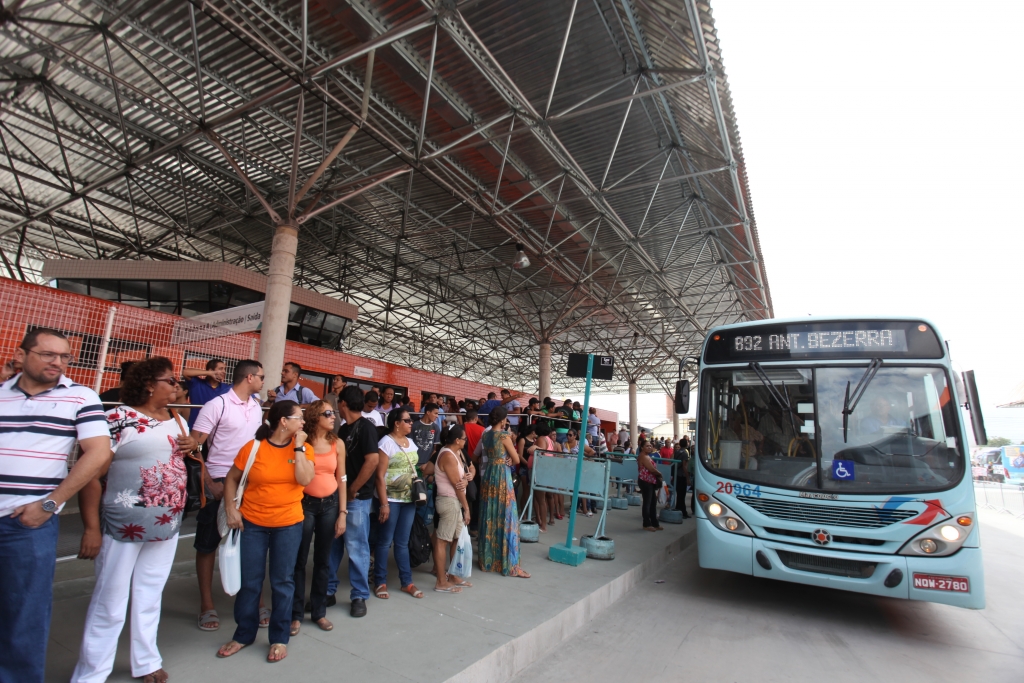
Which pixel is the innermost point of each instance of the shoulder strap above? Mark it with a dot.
(245, 472)
(192, 455)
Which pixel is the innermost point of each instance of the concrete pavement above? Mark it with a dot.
(487, 633)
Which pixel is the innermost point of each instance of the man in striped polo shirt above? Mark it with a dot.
(42, 414)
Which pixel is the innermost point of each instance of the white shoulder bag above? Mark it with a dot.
(230, 557)
(222, 515)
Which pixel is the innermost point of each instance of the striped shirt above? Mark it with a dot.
(38, 433)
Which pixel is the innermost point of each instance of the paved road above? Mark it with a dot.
(705, 625)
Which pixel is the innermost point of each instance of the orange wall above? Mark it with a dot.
(141, 332)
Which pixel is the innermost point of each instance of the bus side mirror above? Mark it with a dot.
(682, 397)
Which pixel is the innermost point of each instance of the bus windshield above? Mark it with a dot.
(784, 427)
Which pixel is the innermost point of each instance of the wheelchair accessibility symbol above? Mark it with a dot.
(842, 470)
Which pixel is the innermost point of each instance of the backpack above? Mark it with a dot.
(419, 542)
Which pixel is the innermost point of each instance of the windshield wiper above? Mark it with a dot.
(782, 399)
(858, 393)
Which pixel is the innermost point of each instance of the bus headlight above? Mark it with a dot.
(724, 518)
(940, 540)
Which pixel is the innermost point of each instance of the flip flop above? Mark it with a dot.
(295, 628)
(449, 589)
(264, 617)
(240, 648)
(518, 573)
(415, 592)
(282, 648)
(208, 617)
(158, 676)
(460, 582)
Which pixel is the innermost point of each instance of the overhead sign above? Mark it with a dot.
(603, 366)
(246, 318)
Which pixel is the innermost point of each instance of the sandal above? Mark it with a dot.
(223, 651)
(458, 581)
(264, 617)
(324, 624)
(381, 591)
(449, 589)
(158, 676)
(412, 590)
(519, 573)
(209, 620)
(296, 627)
(278, 651)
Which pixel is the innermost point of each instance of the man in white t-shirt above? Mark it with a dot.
(512, 406)
(370, 411)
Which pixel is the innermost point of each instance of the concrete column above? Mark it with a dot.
(545, 369)
(675, 424)
(633, 431)
(274, 331)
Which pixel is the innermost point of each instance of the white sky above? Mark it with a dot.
(884, 144)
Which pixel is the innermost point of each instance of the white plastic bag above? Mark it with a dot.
(663, 494)
(231, 562)
(462, 561)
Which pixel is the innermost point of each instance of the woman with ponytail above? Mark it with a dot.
(271, 519)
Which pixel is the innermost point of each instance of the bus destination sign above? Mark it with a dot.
(849, 339)
(821, 342)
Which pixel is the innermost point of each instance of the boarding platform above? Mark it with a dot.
(486, 634)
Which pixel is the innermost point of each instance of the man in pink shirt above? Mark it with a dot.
(227, 423)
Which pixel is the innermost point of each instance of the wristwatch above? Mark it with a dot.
(50, 506)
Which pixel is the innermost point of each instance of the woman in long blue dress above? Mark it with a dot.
(499, 518)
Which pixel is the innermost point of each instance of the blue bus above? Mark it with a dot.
(832, 453)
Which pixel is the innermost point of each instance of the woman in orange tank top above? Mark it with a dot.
(325, 506)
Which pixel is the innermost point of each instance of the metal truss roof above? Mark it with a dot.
(599, 134)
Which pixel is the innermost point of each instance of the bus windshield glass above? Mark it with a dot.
(784, 427)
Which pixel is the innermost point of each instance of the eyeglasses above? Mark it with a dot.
(170, 380)
(259, 377)
(327, 413)
(50, 356)
(293, 417)
(406, 420)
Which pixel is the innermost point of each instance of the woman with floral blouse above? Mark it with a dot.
(131, 523)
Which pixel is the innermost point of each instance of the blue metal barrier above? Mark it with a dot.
(555, 472)
(667, 467)
(622, 473)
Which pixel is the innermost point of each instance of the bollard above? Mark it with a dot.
(634, 499)
(671, 516)
(618, 503)
(601, 548)
(599, 504)
(529, 532)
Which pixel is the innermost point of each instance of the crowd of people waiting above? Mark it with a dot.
(339, 473)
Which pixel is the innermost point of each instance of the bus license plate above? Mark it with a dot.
(955, 584)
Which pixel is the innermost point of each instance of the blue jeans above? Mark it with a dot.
(357, 542)
(561, 437)
(27, 561)
(283, 545)
(397, 528)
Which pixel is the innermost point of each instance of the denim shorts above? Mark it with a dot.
(207, 535)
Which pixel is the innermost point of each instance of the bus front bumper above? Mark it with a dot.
(718, 549)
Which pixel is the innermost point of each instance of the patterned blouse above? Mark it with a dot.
(144, 494)
(645, 474)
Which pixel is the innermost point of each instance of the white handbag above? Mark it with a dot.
(230, 562)
(222, 515)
